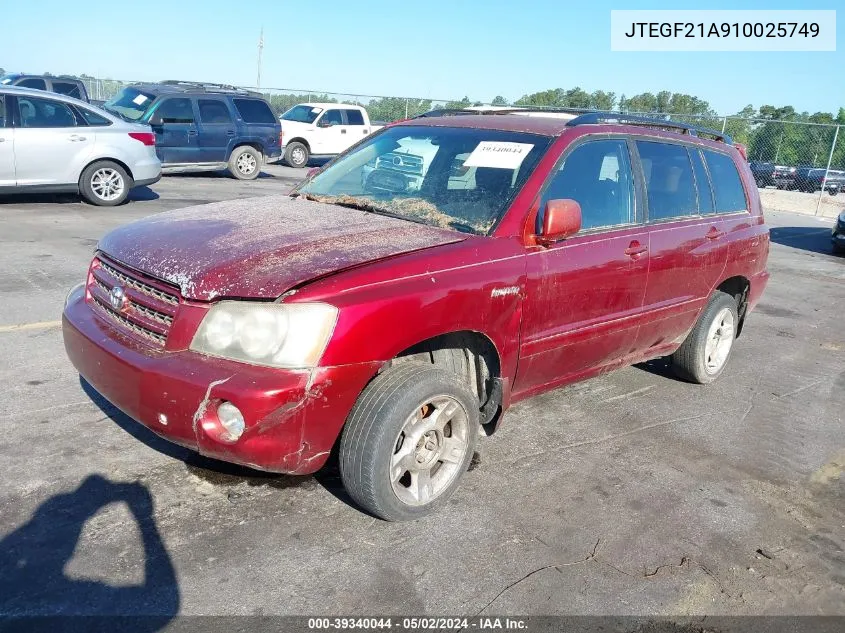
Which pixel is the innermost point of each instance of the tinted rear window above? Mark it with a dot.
(702, 184)
(67, 88)
(32, 82)
(92, 118)
(214, 111)
(727, 186)
(354, 117)
(669, 180)
(254, 111)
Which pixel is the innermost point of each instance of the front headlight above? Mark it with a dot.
(290, 335)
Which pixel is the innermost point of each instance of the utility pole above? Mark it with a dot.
(260, 51)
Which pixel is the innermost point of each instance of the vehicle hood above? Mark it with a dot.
(262, 247)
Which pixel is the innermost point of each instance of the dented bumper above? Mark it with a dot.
(292, 417)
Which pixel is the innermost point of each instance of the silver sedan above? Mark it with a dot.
(53, 143)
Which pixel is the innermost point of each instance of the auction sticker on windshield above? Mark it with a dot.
(499, 154)
(140, 99)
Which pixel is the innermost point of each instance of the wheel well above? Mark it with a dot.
(473, 357)
(299, 139)
(111, 160)
(738, 288)
(256, 146)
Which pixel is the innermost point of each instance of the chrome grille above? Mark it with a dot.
(147, 308)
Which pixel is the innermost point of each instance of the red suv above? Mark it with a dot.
(498, 256)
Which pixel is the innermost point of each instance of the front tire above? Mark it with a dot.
(297, 155)
(245, 163)
(702, 357)
(408, 441)
(105, 184)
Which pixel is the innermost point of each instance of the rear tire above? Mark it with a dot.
(245, 163)
(105, 184)
(297, 155)
(704, 354)
(408, 441)
(838, 249)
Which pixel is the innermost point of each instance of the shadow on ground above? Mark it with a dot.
(33, 558)
(216, 472)
(813, 239)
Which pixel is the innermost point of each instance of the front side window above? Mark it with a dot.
(727, 185)
(44, 113)
(214, 111)
(175, 110)
(33, 82)
(597, 175)
(458, 178)
(254, 111)
(668, 180)
(354, 117)
(67, 88)
(331, 117)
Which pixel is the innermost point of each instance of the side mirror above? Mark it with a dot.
(156, 120)
(324, 123)
(312, 172)
(562, 219)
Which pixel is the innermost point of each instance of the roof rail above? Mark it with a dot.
(480, 110)
(207, 86)
(595, 118)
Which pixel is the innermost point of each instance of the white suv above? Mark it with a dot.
(53, 143)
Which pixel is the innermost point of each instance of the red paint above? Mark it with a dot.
(573, 308)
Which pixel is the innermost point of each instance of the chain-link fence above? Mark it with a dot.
(799, 156)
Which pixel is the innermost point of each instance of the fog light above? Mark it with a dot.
(231, 419)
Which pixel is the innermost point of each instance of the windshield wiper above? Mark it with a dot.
(351, 203)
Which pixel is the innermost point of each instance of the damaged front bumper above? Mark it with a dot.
(292, 417)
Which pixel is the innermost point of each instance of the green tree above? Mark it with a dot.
(499, 100)
(601, 100)
(458, 105)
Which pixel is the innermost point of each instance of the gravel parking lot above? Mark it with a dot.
(632, 493)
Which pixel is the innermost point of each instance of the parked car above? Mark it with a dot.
(63, 84)
(322, 130)
(771, 175)
(811, 179)
(52, 143)
(398, 325)
(837, 236)
(204, 127)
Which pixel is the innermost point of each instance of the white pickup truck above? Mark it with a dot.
(322, 130)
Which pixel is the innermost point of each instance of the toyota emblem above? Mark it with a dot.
(117, 298)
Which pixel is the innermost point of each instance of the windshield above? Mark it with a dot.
(130, 103)
(302, 114)
(458, 178)
(7, 79)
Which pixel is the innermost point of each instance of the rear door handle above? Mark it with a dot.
(714, 233)
(192, 132)
(343, 131)
(230, 132)
(635, 249)
(75, 138)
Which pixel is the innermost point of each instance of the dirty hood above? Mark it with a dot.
(261, 247)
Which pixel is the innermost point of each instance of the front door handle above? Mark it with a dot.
(714, 233)
(192, 132)
(635, 249)
(75, 138)
(343, 131)
(230, 132)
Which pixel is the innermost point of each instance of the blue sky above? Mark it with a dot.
(434, 48)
